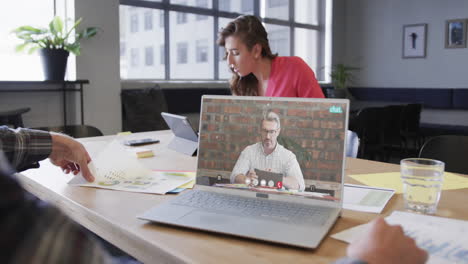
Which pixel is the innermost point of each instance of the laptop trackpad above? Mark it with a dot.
(199, 218)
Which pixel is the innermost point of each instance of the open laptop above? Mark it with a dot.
(185, 138)
(310, 150)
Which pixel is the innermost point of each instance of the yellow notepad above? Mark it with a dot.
(392, 180)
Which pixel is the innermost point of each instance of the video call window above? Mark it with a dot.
(310, 137)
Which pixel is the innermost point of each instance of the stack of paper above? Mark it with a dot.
(446, 240)
(366, 198)
(116, 169)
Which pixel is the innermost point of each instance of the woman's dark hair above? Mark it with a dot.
(250, 31)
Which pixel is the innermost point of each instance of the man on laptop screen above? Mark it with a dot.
(269, 156)
(303, 141)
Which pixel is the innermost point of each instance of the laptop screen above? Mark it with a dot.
(287, 146)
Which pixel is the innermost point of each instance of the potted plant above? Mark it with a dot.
(54, 44)
(341, 76)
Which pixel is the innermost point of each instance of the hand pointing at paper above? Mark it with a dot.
(70, 155)
(384, 243)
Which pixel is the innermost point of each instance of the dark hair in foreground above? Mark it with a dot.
(250, 31)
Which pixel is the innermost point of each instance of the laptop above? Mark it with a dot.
(185, 138)
(305, 142)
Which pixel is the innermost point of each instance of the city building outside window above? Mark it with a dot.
(182, 52)
(149, 56)
(276, 3)
(134, 57)
(134, 23)
(224, 5)
(202, 50)
(185, 41)
(161, 18)
(204, 4)
(148, 20)
(162, 51)
(122, 49)
(247, 6)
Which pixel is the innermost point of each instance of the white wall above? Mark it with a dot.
(99, 62)
(373, 41)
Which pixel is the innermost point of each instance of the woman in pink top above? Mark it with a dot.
(256, 70)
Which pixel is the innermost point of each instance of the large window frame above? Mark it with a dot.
(166, 6)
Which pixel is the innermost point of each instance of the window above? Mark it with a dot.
(162, 51)
(181, 18)
(276, 3)
(148, 20)
(224, 5)
(22, 66)
(161, 18)
(278, 37)
(277, 9)
(204, 4)
(134, 23)
(134, 57)
(140, 63)
(122, 49)
(182, 52)
(202, 50)
(247, 6)
(149, 56)
(184, 42)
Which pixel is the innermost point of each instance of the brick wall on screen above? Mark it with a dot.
(230, 128)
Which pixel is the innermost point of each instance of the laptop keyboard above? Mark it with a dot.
(255, 207)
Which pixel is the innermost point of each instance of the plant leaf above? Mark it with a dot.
(89, 32)
(21, 47)
(53, 37)
(55, 26)
(74, 48)
(72, 28)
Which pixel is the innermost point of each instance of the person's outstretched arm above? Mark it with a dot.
(25, 147)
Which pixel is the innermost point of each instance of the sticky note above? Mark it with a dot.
(145, 154)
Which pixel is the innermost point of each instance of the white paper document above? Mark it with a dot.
(117, 169)
(365, 198)
(446, 240)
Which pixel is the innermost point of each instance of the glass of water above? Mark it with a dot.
(422, 184)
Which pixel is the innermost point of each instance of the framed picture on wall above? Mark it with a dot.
(414, 41)
(455, 33)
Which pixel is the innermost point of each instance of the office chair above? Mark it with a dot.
(13, 118)
(451, 149)
(352, 144)
(409, 130)
(369, 126)
(141, 109)
(391, 131)
(76, 131)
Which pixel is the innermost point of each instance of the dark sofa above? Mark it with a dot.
(445, 110)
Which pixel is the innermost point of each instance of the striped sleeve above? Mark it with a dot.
(25, 147)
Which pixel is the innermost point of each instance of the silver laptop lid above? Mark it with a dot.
(306, 138)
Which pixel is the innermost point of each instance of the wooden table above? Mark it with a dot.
(111, 215)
